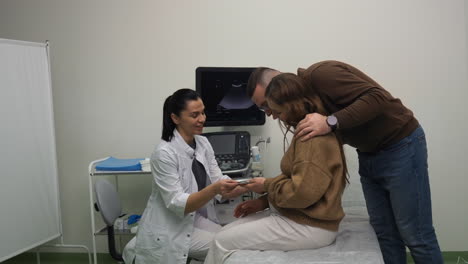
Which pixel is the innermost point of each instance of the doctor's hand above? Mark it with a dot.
(224, 186)
(250, 207)
(312, 125)
(235, 192)
(256, 185)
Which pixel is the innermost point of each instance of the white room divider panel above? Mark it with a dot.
(28, 165)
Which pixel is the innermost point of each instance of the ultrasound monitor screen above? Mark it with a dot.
(223, 144)
(224, 94)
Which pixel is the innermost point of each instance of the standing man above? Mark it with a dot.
(392, 152)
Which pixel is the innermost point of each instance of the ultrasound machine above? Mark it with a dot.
(223, 91)
(232, 150)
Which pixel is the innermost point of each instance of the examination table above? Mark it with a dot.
(356, 243)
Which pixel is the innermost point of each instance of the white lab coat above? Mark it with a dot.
(164, 232)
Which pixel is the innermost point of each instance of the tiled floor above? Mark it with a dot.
(59, 258)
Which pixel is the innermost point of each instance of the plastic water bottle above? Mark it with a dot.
(255, 154)
(257, 166)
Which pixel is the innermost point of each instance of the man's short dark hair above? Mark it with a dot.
(257, 77)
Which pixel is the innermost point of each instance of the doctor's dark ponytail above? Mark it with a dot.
(174, 104)
(168, 125)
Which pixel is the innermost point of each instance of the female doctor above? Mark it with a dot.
(179, 220)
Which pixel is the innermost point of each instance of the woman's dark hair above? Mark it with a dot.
(174, 104)
(289, 91)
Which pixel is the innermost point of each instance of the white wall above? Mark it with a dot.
(114, 62)
(466, 30)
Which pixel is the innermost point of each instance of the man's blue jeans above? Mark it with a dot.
(395, 182)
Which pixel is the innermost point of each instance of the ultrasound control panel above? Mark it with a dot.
(232, 150)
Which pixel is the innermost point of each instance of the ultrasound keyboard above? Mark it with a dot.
(232, 150)
(228, 162)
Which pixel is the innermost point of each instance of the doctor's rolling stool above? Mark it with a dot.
(108, 204)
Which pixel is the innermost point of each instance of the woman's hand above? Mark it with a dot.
(250, 207)
(256, 185)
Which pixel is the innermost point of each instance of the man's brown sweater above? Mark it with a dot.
(310, 187)
(369, 117)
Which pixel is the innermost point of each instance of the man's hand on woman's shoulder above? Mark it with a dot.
(312, 125)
